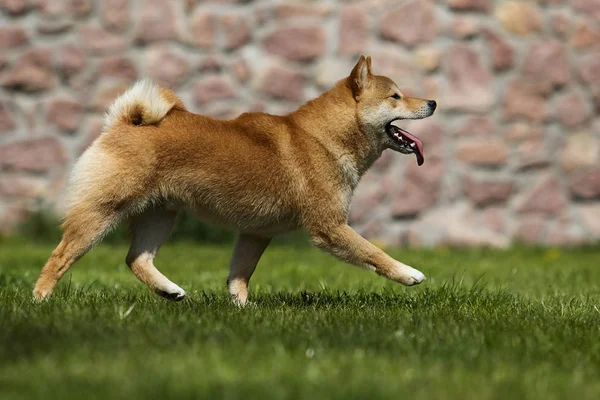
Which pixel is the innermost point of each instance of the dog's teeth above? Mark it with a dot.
(412, 144)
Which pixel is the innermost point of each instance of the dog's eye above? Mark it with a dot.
(396, 96)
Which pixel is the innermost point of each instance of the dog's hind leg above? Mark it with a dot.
(81, 230)
(247, 251)
(150, 230)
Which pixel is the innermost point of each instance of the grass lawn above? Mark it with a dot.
(523, 323)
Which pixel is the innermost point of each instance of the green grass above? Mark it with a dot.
(523, 323)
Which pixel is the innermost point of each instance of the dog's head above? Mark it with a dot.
(379, 103)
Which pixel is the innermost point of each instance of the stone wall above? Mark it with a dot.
(512, 152)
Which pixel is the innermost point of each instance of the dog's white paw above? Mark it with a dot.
(172, 292)
(242, 302)
(415, 277)
(41, 295)
(409, 276)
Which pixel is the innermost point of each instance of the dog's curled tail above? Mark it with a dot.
(145, 103)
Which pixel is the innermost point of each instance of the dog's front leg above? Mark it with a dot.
(343, 242)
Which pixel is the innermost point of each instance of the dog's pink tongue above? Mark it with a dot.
(419, 152)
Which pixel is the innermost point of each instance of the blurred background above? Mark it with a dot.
(512, 153)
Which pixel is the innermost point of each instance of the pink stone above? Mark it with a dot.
(590, 217)
(78, 8)
(431, 135)
(257, 106)
(65, 114)
(586, 184)
(547, 61)
(518, 17)
(560, 23)
(36, 155)
(237, 31)
(13, 214)
(296, 43)
(119, 66)
(531, 228)
(283, 83)
(213, 88)
(532, 153)
(420, 189)
(95, 126)
(455, 225)
(52, 27)
(546, 197)
(410, 23)
(482, 192)
(98, 41)
(494, 218)
(590, 8)
(354, 30)
(115, 14)
(483, 153)
(65, 8)
(53, 9)
(156, 21)
(203, 27)
(580, 151)
(465, 27)
(431, 87)
(224, 112)
(427, 58)
(31, 73)
(572, 109)
(17, 7)
(211, 64)
(469, 82)
(190, 5)
(21, 186)
(369, 195)
(430, 177)
(470, 5)
(12, 36)
(586, 35)
(71, 60)
(589, 68)
(7, 121)
(167, 67)
(402, 70)
(501, 51)
(412, 200)
(596, 98)
(476, 126)
(106, 94)
(519, 131)
(563, 235)
(285, 11)
(525, 99)
(372, 230)
(240, 70)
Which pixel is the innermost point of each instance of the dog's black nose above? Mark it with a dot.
(432, 104)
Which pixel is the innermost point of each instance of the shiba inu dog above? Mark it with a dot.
(259, 174)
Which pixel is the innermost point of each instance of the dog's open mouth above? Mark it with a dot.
(408, 142)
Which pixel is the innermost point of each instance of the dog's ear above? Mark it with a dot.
(360, 75)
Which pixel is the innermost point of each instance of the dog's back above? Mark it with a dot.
(243, 173)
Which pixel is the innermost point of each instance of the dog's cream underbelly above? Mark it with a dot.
(247, 220)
